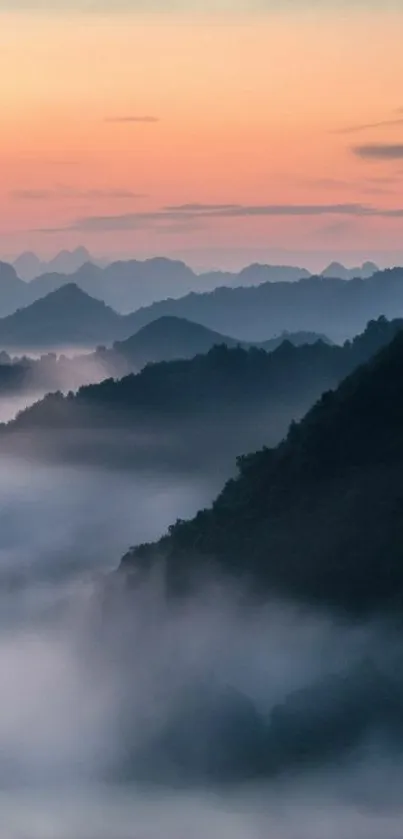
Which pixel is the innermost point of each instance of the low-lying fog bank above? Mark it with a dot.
(298, 812)
(124, 715)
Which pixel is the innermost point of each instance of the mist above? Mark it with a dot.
(124, 713)
(51, 372)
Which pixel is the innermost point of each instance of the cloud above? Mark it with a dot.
(191, 214)
(201, 208)
(379, 151)
(245, 210)
(353, 129)
(188, 216)
(132, 119)
(64, 192)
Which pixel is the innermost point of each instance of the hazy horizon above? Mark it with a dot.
(240, 133)
(201, 491)
(234, 259)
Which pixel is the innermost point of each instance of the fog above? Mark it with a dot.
(123, 714)
(10, 406)
(54, 371)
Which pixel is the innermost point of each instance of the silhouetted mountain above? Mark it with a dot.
(338, 271)
(12, 289)
(237, 306)
(295, 338)
(257, 274)
(320, 517)
(29, 266)
(128, 285)
(168, 338)
(162, 340)
(339, 308)
(125, 285)
(66, 317)
(212, 406)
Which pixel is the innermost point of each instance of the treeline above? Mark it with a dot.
(319, 517)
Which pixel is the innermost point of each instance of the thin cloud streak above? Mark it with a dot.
(66, 193)
(127, 120)
(354, 129)
(201, 208)
(191, 214)
(379, 151)
(242, 210)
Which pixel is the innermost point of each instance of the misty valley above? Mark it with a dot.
(201, 573)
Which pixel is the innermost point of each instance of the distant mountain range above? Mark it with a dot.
(70, 318)
(28, 265)
(339, 308)
(129, 285)
(319, 518)
(337, 271)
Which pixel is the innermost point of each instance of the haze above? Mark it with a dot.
(201, 456)
(163, 122)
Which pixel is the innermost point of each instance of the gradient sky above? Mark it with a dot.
(220, 132)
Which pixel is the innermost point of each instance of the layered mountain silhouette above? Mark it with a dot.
(251, 304)
(170, 337)
(338, 271)
(12, 290)
(66, 317)
(28, 265)
(339, 308)
(128, 285)
(298, 339)
(320, 517)
(124, 285)
(213, 405)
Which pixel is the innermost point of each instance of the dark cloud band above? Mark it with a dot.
(379, 151)
(190, 214)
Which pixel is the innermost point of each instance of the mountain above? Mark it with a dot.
(28, 265)
(246, 305)
(208, 408)
(124, 285)
(319, 518)
(171, 337)
(338, 271)
(12, 290)
(128, 285)
(162, 340)
(340, 308)
(47, 323)
(257, 274)
(65, 317)
(296, 338)
(168, 338)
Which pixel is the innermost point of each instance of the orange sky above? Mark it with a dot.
(248, 111)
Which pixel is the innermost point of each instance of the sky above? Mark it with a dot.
(220, 131)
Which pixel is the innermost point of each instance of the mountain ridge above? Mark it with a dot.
(319, 517)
